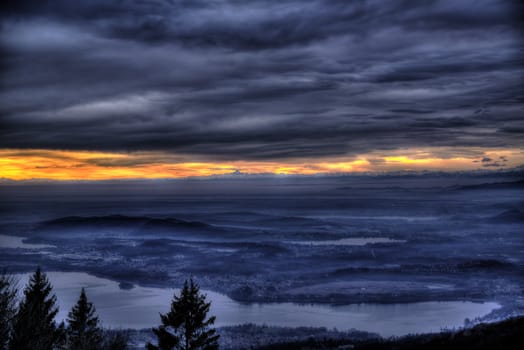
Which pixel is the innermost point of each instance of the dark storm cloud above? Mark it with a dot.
(260, 79)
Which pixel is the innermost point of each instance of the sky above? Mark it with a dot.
(107, 89)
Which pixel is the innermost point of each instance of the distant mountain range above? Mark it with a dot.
(124, 221)
(493, 186)
(509, 217)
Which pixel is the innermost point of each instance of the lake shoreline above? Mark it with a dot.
(119, 306)
(335, 299)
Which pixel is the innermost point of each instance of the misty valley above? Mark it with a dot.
(389, 255)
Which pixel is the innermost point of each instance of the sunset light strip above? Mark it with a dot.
(89, 165)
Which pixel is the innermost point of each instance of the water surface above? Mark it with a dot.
(354, 241)
(139, 308)
(11, 242)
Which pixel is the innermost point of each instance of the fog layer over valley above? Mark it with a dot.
(325, 240)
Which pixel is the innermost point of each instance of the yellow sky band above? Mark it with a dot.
(17, 164)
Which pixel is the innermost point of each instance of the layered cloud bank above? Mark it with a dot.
(262, 86)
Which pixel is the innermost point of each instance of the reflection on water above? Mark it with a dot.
(357, 241)
(139, 308)
(18, 242)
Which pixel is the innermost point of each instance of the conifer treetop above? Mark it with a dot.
(186, 325)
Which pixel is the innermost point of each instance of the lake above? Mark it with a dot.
(139, 307)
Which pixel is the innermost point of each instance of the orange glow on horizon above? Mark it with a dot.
(88, 165)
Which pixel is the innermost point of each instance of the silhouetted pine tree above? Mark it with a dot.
(34, 325)
(83, 331)
(185, 326)
(7, 308)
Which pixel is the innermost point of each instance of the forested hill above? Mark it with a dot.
(505, 335)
